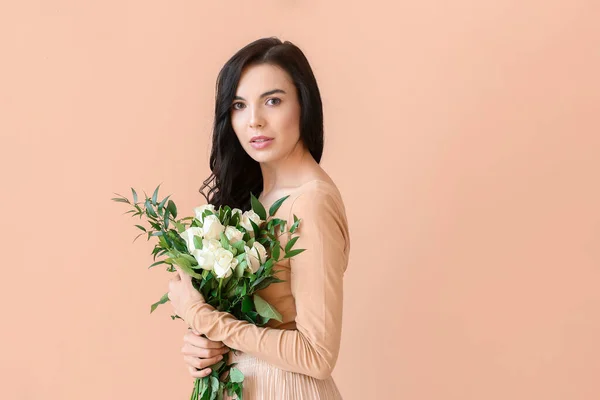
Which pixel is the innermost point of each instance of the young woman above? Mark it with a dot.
(268, 139)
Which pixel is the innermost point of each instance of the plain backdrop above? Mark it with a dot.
(464, 137)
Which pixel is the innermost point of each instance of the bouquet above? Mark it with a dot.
(230, 256)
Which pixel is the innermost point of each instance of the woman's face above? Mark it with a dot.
(266, 104)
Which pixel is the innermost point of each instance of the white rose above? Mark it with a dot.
(252, 256)
(211, 245)
(188, 236)
(212, 227)
(236, 211)
(233, 234)
(245, 221)
(224, 263)
(205, 258)
(200, 209)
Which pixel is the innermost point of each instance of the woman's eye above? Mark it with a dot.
(236, 104)
(276, 99)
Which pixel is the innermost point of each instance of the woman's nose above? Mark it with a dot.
(256, 119)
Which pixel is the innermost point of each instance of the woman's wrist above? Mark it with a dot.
(193, 309)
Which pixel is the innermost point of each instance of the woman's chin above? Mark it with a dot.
(263, 156)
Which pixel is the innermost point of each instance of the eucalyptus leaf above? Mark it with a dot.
(135, 196)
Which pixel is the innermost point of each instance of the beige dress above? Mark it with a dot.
(293, 359)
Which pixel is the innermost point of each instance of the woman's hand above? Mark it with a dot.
(200, 353)
(182, 293)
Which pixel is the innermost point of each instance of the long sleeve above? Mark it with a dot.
(317, 287)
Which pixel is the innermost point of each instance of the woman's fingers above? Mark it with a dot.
(199, 373)
(191, 350)
(201, 363)
(199, 341)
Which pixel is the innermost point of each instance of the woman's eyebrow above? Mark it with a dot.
(270, 92)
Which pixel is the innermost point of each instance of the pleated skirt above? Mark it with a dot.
(263, 381)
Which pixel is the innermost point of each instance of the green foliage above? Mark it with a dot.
(236, 294)
(162, 300)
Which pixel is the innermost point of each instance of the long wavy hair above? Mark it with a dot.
(234, 173)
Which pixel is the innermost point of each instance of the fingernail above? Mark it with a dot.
(219, 358)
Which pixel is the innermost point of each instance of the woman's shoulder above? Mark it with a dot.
(319, 187)
(318, 195)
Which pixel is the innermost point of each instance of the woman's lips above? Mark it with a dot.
(261, 144)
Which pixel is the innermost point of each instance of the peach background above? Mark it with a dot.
(463, 135)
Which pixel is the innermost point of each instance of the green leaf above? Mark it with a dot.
(198, 242)
(276, 250)
(295, 225)
(291, 243)
(276, 205)
(239, 268)
(186, 266)
(137, 237)
(172, 208)
(247, 304)
(190, 258)
(266, 282)
(214, 383)
(157, 263)
(162, 300)
(141, 227)
(257, 207)
(293, 253)
(239, 245)
(166, 219)
(149, 209)
(255, 227)
(120, 200)
(162, 203)
(205, 385)
(135, 196)
(155, 195)
(180, 227)
(224, 241)
(266, 310)
(235, 375)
